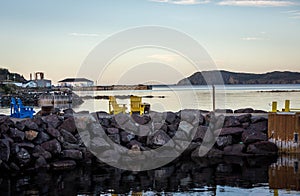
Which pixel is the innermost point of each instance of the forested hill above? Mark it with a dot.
(6, 75)
(275, 77)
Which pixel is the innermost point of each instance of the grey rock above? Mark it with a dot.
(41, 138)
(30, 125)
(126, 137)
(231, 121)
(170, 117)
(68, 137)
(141, 120)
(112, 130)
(224, 141)
(159, 138)
(230, 131)
(72, 154)
(16, 135)
(66, 164)
(244, 110)
(53, 132)
(244, 118)
(52, 120)
(251, 136)
(263, 148)
(68, 125)
(52, 146)
(41, 162)
(23, 156)
(4, 150)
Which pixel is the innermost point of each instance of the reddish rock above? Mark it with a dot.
(31, 135)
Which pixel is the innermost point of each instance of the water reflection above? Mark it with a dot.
(201, 175)
(285, 174)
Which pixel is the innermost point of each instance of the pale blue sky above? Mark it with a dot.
(55, 36)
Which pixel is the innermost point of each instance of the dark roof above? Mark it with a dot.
(75, 80)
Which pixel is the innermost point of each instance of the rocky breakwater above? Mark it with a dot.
(70, 139)
(42, 142)
(191, 133)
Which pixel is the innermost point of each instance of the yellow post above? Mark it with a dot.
(287, 106)
(274, 106)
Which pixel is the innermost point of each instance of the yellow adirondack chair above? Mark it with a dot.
(136, 105)
(114, 107)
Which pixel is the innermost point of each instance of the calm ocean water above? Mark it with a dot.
(233, 97)
(228, 176)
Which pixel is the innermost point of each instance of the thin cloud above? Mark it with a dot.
(84, 34)
(183, 2)
(257, 3)
(251, 38)
(294, 14)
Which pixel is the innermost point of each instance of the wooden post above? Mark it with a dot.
(274, 106)
(214, 97)
(287, 106)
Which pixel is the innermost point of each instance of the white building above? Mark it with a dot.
(76, 82)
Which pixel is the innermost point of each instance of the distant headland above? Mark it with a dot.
(275, 77)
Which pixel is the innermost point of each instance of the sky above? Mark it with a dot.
(57, 36)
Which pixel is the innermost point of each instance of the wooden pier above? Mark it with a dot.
(284, 128)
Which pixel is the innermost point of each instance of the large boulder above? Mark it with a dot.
(259, 126)
(4, 150)
(52, 120)
(39, 151)
(53, 132)
(126, 137)
(244, 118)
(68, 125)
(41, 138)
(244, 110)
(30, 125)
(23, 156)
(230, 131)
(170, 117)
(68, 137)
(159, 138)
(31, 135)
(262, 148)
(142, 120)
(231, 121)
(223, 141)
(52, 146)
(16, 135)
(251, 136)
